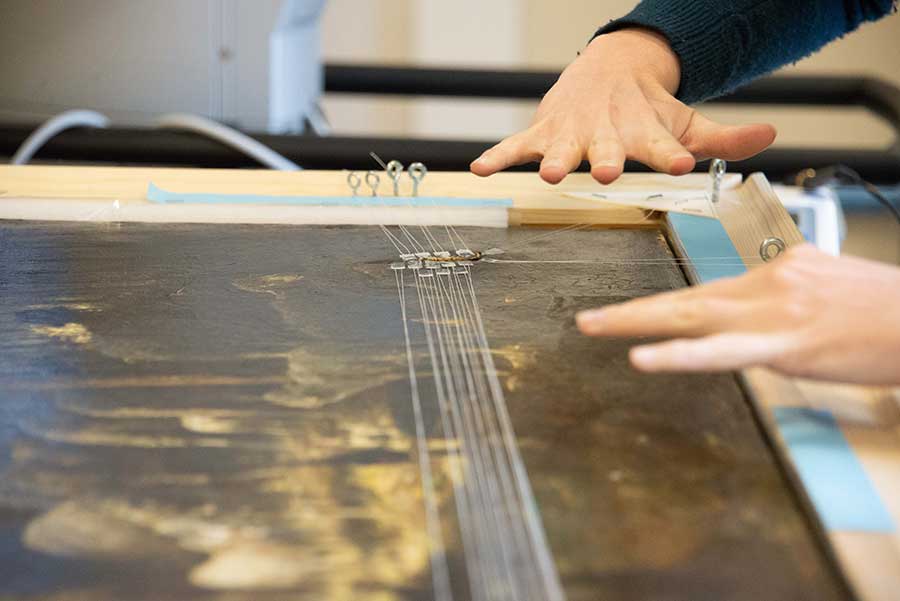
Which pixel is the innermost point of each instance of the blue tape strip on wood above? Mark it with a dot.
(705, 238)
(836, 482)
(158, 195)
(832, 475)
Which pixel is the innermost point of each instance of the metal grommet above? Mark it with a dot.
(765, 249)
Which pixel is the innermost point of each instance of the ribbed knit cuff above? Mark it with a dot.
(705, 35)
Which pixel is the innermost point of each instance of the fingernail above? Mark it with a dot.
(552, 164)
(606, 164)
(643, 356)
(479, 159)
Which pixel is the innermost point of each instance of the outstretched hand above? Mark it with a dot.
(805, 314)
(616, 101)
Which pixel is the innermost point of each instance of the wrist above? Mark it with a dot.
(644, 52)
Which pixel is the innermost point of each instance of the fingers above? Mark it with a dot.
(515, 150)
(653, 145)
(706, 138)
(721, 352)
(606, 154)
(685, 313)
(607, 158)
(638, 134)
(562, 158)
(719, 326)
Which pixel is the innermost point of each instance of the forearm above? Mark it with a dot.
(722, 45)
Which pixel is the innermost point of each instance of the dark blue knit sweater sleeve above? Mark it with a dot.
(725, 44)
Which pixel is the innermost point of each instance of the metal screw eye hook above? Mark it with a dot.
(395, 170)
(417, 171)
(354, 182)
(770, 244)
(373, 180)
(717, 168)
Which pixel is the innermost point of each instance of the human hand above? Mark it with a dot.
(805, 314)
(616, 100)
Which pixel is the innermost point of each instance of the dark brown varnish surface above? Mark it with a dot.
(223, 413)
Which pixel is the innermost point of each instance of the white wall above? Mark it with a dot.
(139, 58)
(134, 59)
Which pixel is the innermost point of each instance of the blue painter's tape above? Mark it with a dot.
(158, 195)
(832, 475)
(705, 238)
(836, 482)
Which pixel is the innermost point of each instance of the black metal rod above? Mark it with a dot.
(420, 81)
(156, 147)
(878, 96)
(142, 146)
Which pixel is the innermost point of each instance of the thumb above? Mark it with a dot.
(705, 138)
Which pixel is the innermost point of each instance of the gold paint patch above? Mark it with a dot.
(258, 566)
(71, 332)
(207, 424)
(267, 284)
(161, 381)
(318, 380)
(75, 530)
(86, 307)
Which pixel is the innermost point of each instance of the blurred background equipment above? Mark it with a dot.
(416, 80)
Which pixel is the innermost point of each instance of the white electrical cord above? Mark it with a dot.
(318, 121)
(52, 127)
(228, 136)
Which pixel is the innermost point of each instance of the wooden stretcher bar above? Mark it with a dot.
(862, 534)
(533, 203)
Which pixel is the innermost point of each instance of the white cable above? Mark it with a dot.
(52, 127)
(318, 121)
(228, 136)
